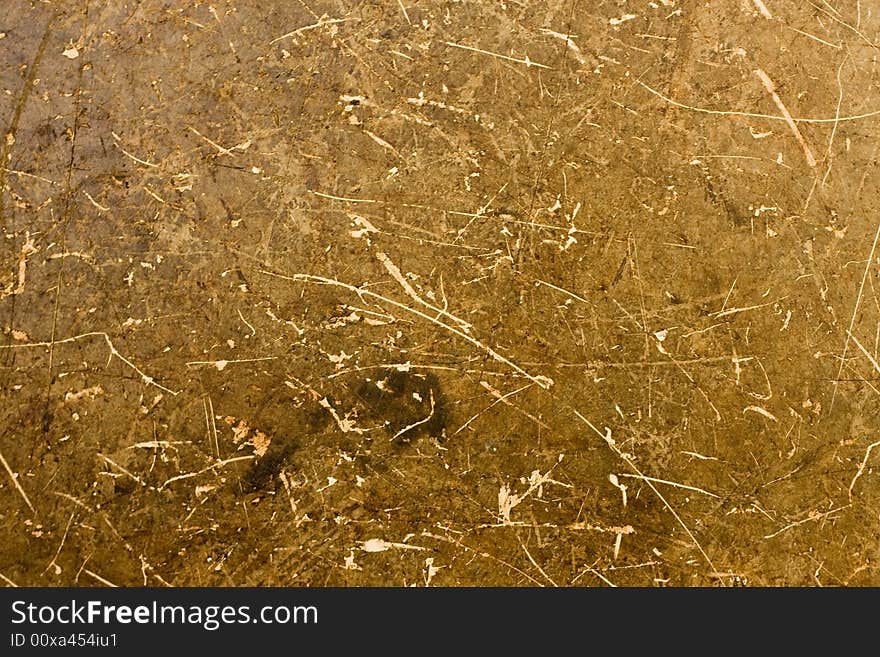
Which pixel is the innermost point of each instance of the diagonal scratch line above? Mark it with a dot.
(634, 468)
(16, 484)
(528, 62)
(868, 355)
(145, 378)
(321, 23)
(852, 321)
(543, 381)
(861, 469)
(7, 143)
(754, 115)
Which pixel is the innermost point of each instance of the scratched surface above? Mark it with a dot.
(433, 292)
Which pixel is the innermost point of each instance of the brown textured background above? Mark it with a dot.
(358, 293)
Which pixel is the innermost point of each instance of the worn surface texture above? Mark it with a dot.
(440, 292)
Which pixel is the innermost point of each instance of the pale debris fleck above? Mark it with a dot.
(87, 393)
(350, 563)
(506, 503)
(206, 488)
(345, 425)
(375, 545)
(622, 19)
(339, 359)
(331, 481)
(430, 570)
(365, 227)
(71, 53)
(616, 483)
(381, 545)
(260, 443)
(787, 320)
(240, 429)
(660, 336)
(760, 411)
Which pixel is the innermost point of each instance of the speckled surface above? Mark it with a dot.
(439, 292)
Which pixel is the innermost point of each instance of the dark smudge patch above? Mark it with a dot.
(410, 404)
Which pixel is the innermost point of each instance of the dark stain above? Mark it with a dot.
(309, 419)
(411, 404)
(263, 474)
